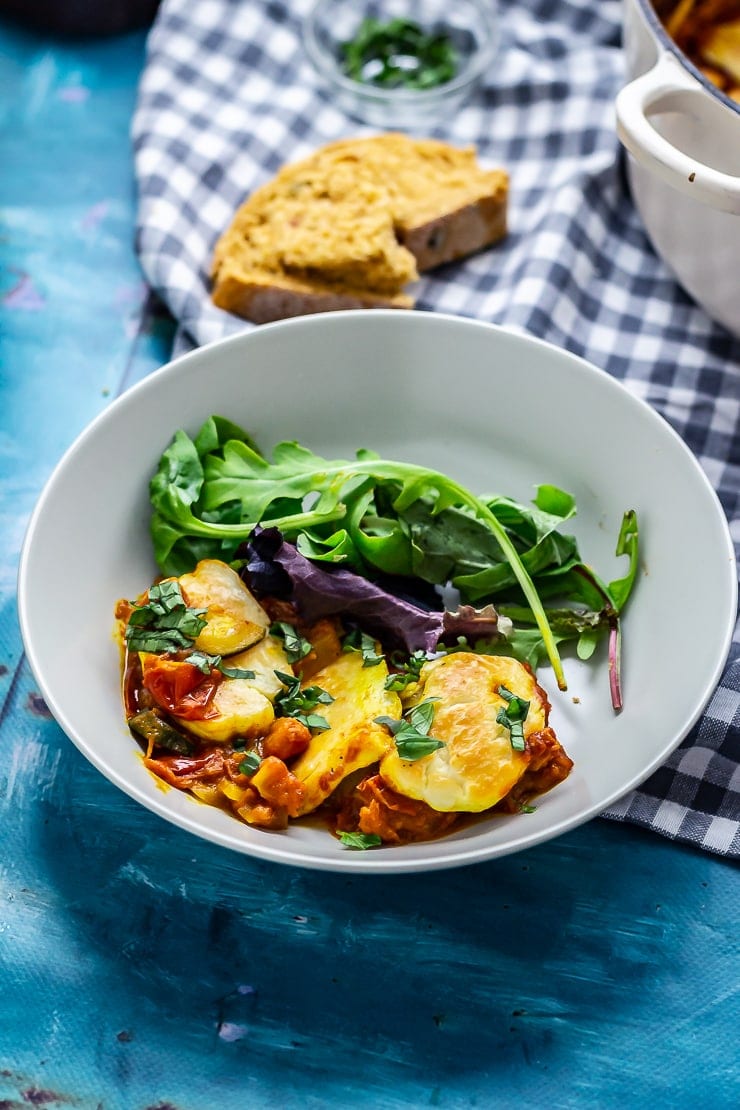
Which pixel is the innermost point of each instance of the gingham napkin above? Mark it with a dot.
(228, 96)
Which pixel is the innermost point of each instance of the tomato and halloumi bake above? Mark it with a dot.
(249, 708)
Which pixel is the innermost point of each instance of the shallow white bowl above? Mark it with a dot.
(498, 411)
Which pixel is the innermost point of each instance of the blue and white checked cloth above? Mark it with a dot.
(228, 96)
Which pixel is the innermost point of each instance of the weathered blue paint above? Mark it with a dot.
(140, 968)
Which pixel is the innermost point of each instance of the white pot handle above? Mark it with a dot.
(664, 88)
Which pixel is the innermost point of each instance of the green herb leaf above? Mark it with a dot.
(296, 646)
(627, 544)
(360, 841)
(207, 663)
(299, 703)
(236, 672)
(513, 717)
(399, 53)
(356, 640)
(313, 721)
(411, 733)
(250, 763)
(409, 670)
(202, 661)
(412, 745)
(164, 622)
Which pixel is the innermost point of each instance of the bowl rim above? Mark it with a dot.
(332, 73)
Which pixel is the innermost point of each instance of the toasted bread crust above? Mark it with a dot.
(263, 300)
(353, 224)
(457, 234)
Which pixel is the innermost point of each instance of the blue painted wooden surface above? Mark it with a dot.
(140, 968)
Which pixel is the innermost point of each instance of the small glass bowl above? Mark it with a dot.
(471, 25)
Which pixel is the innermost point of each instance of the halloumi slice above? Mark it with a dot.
(235, 618)
(353, 739)
(477, 766)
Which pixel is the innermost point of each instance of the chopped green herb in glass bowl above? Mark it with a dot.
(399, 54)
(401, 64)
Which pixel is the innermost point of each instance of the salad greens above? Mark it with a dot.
(379, 517)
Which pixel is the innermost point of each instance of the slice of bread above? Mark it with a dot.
(353, 224)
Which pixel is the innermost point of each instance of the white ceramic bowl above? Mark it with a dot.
(683, 138)
(500, 412)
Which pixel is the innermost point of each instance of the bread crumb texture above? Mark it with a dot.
(355, 223)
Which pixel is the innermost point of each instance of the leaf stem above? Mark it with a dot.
(295, 521)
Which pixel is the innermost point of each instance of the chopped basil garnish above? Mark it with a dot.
(250, 763)
(299, 703)
(207, 663)
(360, 840)
(408, 672)
(513, 717)
(411, 733)
(296, 646)
(356, 640)
(398, 53)
(235, 672)
(164, 623)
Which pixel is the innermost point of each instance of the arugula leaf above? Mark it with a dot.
(357, 640)
(296, 646)
(179, 477)
(359, 840)
(336, 548)
(207, 663)
(298, 703)
(164, 622)
(627, 544)
(513, 717)
(411, 732)
(619, 591)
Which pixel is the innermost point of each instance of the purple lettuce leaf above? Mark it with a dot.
(274, 567)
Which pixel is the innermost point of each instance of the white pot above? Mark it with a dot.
(683, 138)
